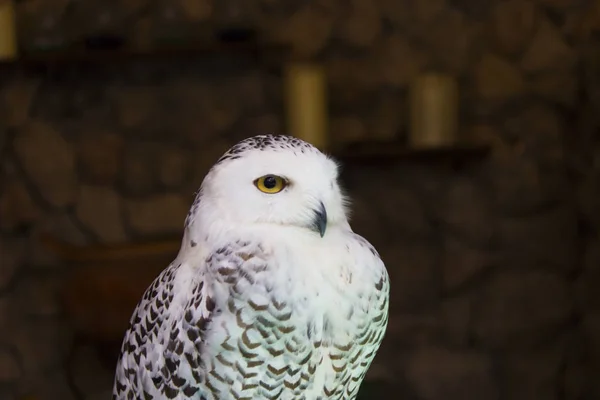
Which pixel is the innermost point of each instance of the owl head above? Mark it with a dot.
(272, 180)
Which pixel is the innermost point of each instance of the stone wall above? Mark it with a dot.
(494, 266)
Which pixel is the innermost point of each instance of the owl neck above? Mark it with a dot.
(206, 224)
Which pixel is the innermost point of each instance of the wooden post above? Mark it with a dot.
(433, 111)
(306, 102)
(8, 33)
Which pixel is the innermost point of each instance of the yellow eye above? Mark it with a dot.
(270, 184)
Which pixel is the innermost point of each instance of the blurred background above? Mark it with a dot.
(467, 131)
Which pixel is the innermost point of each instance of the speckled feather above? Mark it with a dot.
(257, 311)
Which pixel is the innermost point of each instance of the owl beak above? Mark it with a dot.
(320, 220)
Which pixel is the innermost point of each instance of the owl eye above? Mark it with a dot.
(270, 184)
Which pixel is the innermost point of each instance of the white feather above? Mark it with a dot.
(280, 302)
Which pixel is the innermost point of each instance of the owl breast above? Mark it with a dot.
(287, 329)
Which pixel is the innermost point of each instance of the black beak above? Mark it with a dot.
(320, 221)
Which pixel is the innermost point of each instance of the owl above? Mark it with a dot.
(271, 296)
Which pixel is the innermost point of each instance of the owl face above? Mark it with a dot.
(285, 182)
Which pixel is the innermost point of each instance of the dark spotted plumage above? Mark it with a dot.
(236, 337)
(267, 142)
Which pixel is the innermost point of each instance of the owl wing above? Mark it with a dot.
(160, 352)
(352, 360)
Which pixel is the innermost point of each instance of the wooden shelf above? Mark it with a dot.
(379, 153)
(255, 50)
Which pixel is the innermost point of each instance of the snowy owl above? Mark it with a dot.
(272, 295)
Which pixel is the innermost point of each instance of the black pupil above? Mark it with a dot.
(270, 182)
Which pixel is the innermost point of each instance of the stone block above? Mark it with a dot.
(548, 50)
(99, 209)
(520, 309)
(437, 373)
(134, 105)
(402, 211)
(173, 167)
(497, 78)
(513, 24)
(388, 117)
(158, 215)
(450, 41)
(546, 240)
(532, 375)
(12, 257)
(10, 370)
(138, 173)
(406, 331)
(17, 207)
(361, 24)
(37, 296)
(462, 263)
(464, 211)
(16, 98)
(455, 320)
(398, 60)
(61, 226)
(49, 161)
(100, 156)
(413, 273)
(308, 30)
